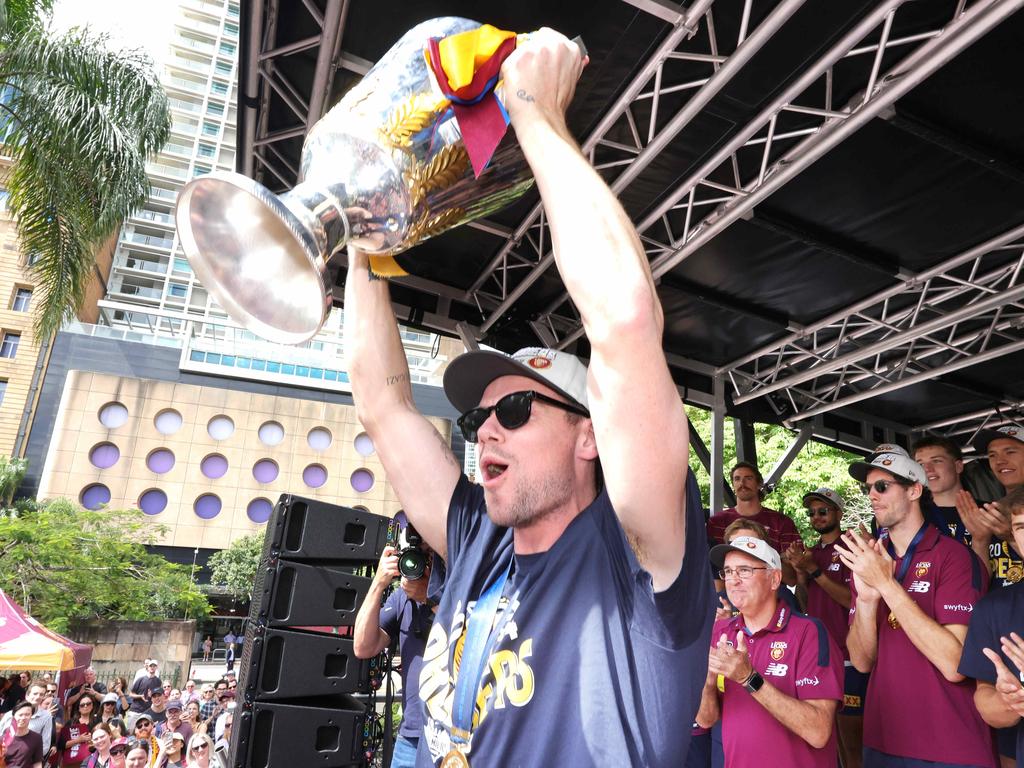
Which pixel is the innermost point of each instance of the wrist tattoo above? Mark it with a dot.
(522, 94)
(392, 380)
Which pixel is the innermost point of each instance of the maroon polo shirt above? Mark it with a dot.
(796, 655)
(910, 709)
(781, 530)
(834, 616)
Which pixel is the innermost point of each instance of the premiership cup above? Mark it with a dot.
(385, 169)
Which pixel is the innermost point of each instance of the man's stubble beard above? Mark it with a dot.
(531, 501)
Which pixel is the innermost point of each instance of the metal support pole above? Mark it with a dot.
(717, 446)
(746, 447)
(787, 458)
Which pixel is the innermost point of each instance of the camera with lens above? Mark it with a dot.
(412, 561)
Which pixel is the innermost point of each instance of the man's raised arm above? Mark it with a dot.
(639, 422)
(419, 464)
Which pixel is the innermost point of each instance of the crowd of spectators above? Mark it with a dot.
(894, 644)
(145, 724)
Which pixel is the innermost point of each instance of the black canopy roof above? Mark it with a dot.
(831, 194)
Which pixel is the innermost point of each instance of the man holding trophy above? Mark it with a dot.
(577, 600)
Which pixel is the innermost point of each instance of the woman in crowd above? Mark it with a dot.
(118, 752)
(118, 728)
(76, 735)
(120, 688)
(108, 707)
(23, 748)
(192, 717)
(101, 742)
(200, 752)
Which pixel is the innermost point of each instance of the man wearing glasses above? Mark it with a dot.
(914, 591)
(827, 580)
(577, 594)
(774, 677)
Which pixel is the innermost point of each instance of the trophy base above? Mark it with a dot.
(257, 258)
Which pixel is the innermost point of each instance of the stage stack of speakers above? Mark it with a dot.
(298, 687)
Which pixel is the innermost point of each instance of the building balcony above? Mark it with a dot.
(144, 265)
(185, 106)
(151, 241)
(160, 169)
(195, 45)
(191, 86)
(158, 218)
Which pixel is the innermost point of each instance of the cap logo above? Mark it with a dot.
(751, 545)
(886, 462)
(540, 363)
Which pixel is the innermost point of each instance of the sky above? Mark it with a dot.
(143, 24)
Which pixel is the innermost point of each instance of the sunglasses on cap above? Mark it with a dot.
(818, 511)
(879, 486)
(513, 411)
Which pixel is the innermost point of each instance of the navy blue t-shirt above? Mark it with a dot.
(593, 668)
(409, 623)
(998, 613)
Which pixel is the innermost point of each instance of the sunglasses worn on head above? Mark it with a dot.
(880, 486)
(513, 411)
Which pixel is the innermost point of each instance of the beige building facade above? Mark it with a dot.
(207, 462)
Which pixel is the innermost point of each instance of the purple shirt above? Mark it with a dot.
(796, 655)
(781, 530)
(937, 719)
(833, 615)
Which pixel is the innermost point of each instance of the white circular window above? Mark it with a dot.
(221, 427)
(167, 422)
(319, 439)
(113, 415)
(271, 433)
(364, 444)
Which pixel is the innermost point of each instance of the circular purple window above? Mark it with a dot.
(153, 501)
(207, 506)
(315, 475)
(214, 466)
(95, 496)
(362, 480)
(167, 422)
(271, 433)
(319, 438)
(221, 427)
(265, 471)
(113, 415)
(259, 510)
(104, 455)
(161, 460)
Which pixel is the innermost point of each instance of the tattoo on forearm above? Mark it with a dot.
(397, 379)
(524, 95)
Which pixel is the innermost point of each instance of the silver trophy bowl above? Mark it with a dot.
(385, 169)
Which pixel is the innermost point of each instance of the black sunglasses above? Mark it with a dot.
(513, 411)
(880, 486)
(817, 512)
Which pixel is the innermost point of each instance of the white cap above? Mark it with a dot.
(748, 545)
(825, 494)
(471, 373)
(889, 448)
(897, 464)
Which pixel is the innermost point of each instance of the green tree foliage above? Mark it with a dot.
(235, 567)
(12, 471)
(816, 465)
(78, 121)
(62, 562)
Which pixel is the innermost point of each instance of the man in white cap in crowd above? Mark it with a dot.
(566, 572)
(827, 580)
(914, 590)
(774, 677)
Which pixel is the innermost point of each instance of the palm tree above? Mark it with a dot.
(78, 121)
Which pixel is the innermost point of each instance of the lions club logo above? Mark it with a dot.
(539, 363)
(778, 650)
(922, 569)
(751, 545)
(886, 462)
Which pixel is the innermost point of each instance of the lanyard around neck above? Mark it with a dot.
(908, 557)
(480, 638)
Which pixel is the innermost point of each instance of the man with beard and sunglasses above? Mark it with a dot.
(914, 590)
(827, 581)
(576, 597)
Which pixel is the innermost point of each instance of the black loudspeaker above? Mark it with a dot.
(293, 664)
(275, 734)
(295, 708)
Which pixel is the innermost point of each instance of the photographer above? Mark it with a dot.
(89, 688)
(407, 617)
